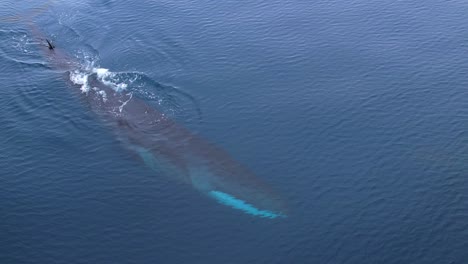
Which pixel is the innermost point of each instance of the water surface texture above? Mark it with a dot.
(343, 124)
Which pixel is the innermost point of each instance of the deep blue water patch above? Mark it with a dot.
(355, 112)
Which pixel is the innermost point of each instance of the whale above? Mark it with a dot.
(165, 146)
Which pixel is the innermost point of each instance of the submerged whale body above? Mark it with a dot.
(166, 147)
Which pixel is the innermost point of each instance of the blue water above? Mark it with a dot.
(354, 112)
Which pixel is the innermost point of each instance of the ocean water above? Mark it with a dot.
(354, 112)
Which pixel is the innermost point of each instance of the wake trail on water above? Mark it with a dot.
(82, 63)
(165, 97)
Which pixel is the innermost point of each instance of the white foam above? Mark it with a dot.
(105, 76)
(109, 78)
(124, 103)
(101, 72)
(112, 80)
(103, 95)
(80, 78)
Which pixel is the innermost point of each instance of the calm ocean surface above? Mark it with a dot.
(354, 112)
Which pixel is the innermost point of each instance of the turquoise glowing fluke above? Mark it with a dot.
(239, 204)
